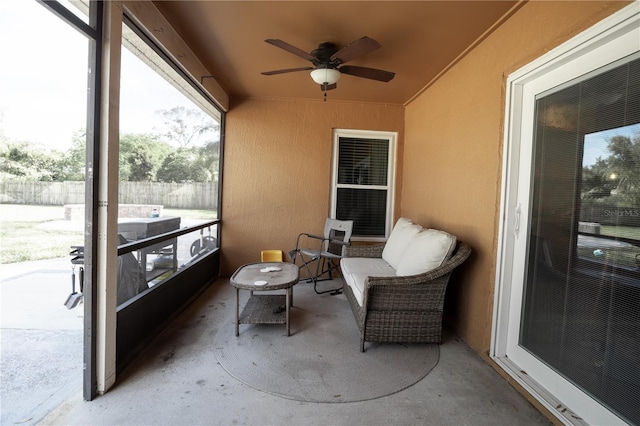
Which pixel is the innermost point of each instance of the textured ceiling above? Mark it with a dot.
(419, 39)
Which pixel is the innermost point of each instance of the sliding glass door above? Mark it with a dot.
(567, 316)
(581, 299)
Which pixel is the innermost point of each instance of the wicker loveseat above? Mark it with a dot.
(393, 308)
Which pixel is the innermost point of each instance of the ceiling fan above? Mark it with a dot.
(327, 62)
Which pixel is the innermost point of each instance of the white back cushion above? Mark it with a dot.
(427, 250)
(399, 240)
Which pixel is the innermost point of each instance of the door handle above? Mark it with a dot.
(516, 226)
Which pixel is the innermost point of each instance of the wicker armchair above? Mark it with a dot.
(402, 309)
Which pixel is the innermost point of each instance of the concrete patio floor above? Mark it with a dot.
(177, 379)
(40, 340)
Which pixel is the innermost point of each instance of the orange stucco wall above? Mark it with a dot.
(278, 157)
(453, 148)
(277, 170)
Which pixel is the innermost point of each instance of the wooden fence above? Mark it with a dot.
(198, 195)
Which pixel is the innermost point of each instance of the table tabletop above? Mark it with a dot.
(278, 275)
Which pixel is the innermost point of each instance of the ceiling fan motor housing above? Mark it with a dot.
(323, 55)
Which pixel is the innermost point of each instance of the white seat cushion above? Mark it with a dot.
(427, 250)
(401, 235)
(356, 270)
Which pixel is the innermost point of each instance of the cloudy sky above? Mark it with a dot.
(43, 80)
(595, 144)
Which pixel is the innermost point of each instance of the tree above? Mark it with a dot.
(28, 161)
(615, 180)
(196, 135)
(182, 166)
(141, 166)
(186, 126)
(624, 163)
(73, 161)
(209, 159)
(140, 156)
(595, 181)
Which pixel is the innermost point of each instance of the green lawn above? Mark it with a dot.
(39, 232)
(24, 235)
(621, 231)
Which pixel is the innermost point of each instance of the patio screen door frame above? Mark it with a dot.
(93, 31)
(616, 37)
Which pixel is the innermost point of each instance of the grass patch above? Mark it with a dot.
(631, 232)
(24, 235)
(27, 232)
(21, 242)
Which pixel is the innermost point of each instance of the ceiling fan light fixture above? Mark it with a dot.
(326, 76)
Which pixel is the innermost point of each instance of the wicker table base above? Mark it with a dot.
(269, 308)
(265, 309)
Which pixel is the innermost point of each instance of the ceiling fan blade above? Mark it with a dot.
(370, 73)
(325, 87)
(291, 49)
(355, 49)
(287, 70)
